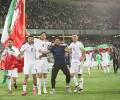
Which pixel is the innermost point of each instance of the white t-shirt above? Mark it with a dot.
(29, 52)
(76, 50)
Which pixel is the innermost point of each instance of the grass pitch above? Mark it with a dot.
(97, 86)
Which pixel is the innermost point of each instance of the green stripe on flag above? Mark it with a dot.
(89, 48)
(4, 76)
(10, 13)
(103, 46)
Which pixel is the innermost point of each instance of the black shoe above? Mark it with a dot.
(76, 89)
(80, 91)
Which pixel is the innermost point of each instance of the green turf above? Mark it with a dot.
(98, 86)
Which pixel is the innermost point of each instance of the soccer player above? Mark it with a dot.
(28, 51)
(89, 61)
(58, 52)
(105, 61)
(12, 73)
(42, 46)
(78, 55)
(98, 59)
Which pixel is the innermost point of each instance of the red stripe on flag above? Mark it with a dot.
(18, 31)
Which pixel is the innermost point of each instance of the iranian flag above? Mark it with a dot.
(14, 27)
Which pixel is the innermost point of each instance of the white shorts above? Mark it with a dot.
(29, 69)
(13, 73)
(105, 63)
(76, 68)
(41, 66)
(89, 63)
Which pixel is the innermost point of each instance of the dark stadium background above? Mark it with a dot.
(97, 21)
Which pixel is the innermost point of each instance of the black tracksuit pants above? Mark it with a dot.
(55, 71)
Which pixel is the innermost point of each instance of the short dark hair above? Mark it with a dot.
(30, 36)
(74, 34)
(10, 39)
(43, 33)
(57, 38)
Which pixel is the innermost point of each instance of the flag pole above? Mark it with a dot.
(24, 18)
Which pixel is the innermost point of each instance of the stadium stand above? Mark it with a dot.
(48, 14)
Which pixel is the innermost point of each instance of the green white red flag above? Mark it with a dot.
(14, 27)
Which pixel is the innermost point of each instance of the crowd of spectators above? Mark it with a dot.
(47, 14)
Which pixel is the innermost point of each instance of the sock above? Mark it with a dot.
(9, 84)
(34, 84)
(67, 85)
(53, 89)
(39, 85)
(75, 81)
(34, 87)
(24, 86)
(44, 83)
(81, 83)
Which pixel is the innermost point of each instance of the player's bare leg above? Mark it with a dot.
(9, 84)
(89, 70)
(24, 92)
(101, 67)
(98, 66)
(44, 83)
(80, 77)
(15, 83)
(39, 82)
(73, 77)
(34, 83)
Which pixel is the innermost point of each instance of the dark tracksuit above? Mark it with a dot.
(59, 64)
(115, 61)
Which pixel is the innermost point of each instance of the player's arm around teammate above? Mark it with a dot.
(42, 51)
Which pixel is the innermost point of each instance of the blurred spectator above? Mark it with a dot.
(47, 14)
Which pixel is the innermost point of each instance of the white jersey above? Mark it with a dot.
(88, 57)
(41, 45)
(45, 45)
(105, 56)
(105, 59)
(76, 51)
(29, 52)
(41, 65)
(37, 44)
